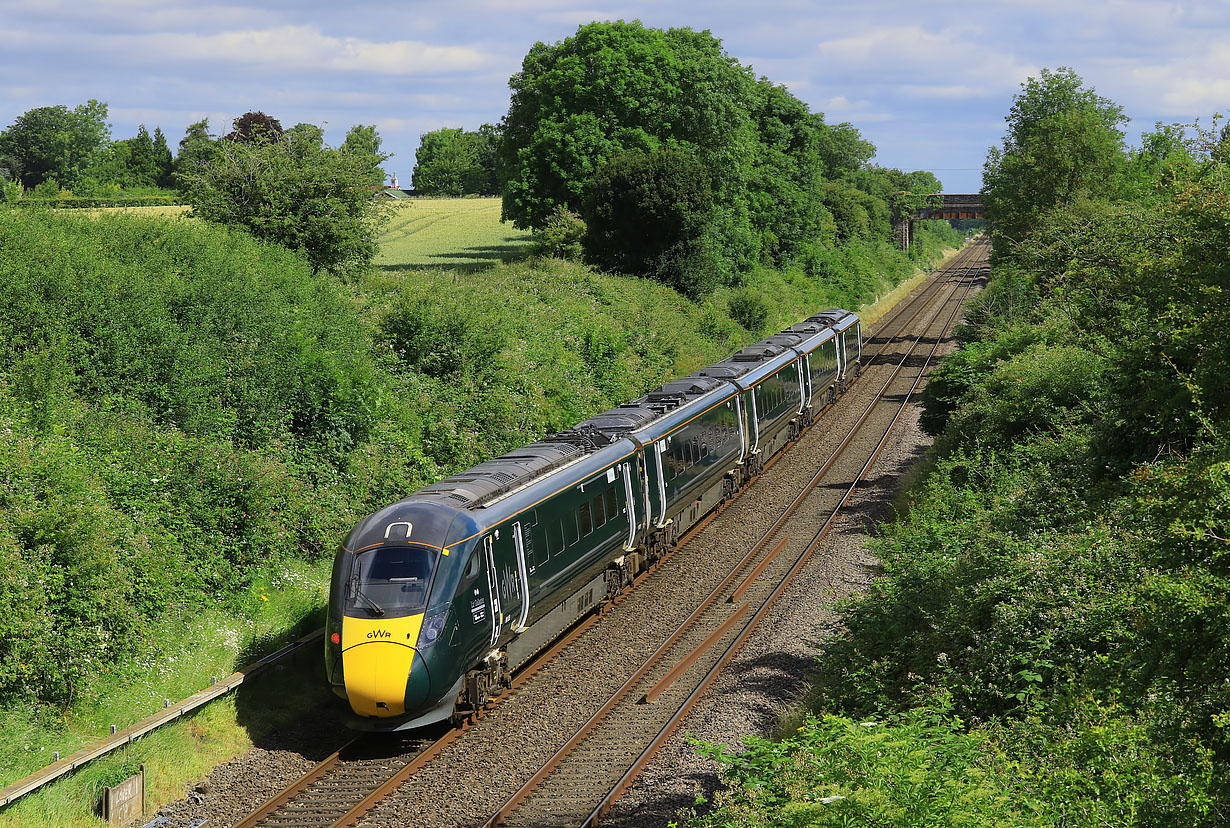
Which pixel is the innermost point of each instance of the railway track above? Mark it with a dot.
(583, 778)
(565, 790)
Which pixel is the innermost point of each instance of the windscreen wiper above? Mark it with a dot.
(355, 592)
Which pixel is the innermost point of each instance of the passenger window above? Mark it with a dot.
(599, 512)
(612, 504)
(570, 524)
(587, 525)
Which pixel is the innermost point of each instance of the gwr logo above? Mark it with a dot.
(379, 634)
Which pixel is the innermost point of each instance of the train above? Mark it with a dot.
(437, 599)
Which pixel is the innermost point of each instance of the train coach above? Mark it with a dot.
(436, 599)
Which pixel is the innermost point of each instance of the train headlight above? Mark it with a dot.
(433, 627)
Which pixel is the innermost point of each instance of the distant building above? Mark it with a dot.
(395, 185)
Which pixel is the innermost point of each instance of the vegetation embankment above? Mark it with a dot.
(193, 419)
(1047, 642)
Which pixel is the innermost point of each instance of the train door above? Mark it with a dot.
(753, 419)
(506, 580)
(808, 387)
(630, 493)
(657, 476)
(741, 423)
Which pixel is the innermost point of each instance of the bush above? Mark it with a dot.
(562, 235)
(203, 328)
(317, 201)
(647, 214)
(442, 336)
(1038, 390)
(915, 770)
(749, 309)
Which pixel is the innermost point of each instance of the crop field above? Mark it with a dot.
(453, 233)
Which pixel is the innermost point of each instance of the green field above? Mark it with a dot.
(454, 233)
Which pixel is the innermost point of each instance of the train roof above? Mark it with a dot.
(837, 318)
(491, 481)
(752, 364)
(487, 481)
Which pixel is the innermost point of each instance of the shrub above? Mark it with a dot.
(202, 327)
(562, 235)
(1040, 389)
(749, 309)
(647, 214)
(913, 770)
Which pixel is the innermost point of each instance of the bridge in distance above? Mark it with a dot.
(946, 206)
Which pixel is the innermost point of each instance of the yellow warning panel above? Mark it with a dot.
(376, 657)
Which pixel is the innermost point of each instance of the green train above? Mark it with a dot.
(436, 599)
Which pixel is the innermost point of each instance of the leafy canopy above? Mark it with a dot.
(296, 192)
(1063, 142)
(621, 89)
(55, 142)
(454, 162)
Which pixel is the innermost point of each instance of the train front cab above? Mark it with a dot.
(394, 625)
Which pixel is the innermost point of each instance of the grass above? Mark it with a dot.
(181, 752)
(181, 659)
(454, 233)
(165, 211)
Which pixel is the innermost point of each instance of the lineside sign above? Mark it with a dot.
(125, 802)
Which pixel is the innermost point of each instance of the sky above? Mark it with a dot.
(927, 81)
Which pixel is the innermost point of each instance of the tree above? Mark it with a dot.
(196, 148)
(310, 198)
(255, 127)
(163, 160)
(54, 142)
(621, 87)
(453, 162)
(1064, 142)
(305, 139)
(364, 142)
(617, 88)
(487, 141)
(647, 214)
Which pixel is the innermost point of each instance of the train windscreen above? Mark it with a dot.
(390, 580)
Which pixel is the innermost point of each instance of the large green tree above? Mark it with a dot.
(1063, 141)
(454, 162)
(647, 215)
(618, 88)
(55, 143)
(613, 88)
(363, 141)
(296, 192)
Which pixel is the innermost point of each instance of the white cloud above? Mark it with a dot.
(912, 52)
(950, 92)
(300, 48)
(840, 108)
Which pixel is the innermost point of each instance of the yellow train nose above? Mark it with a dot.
(377, 657)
